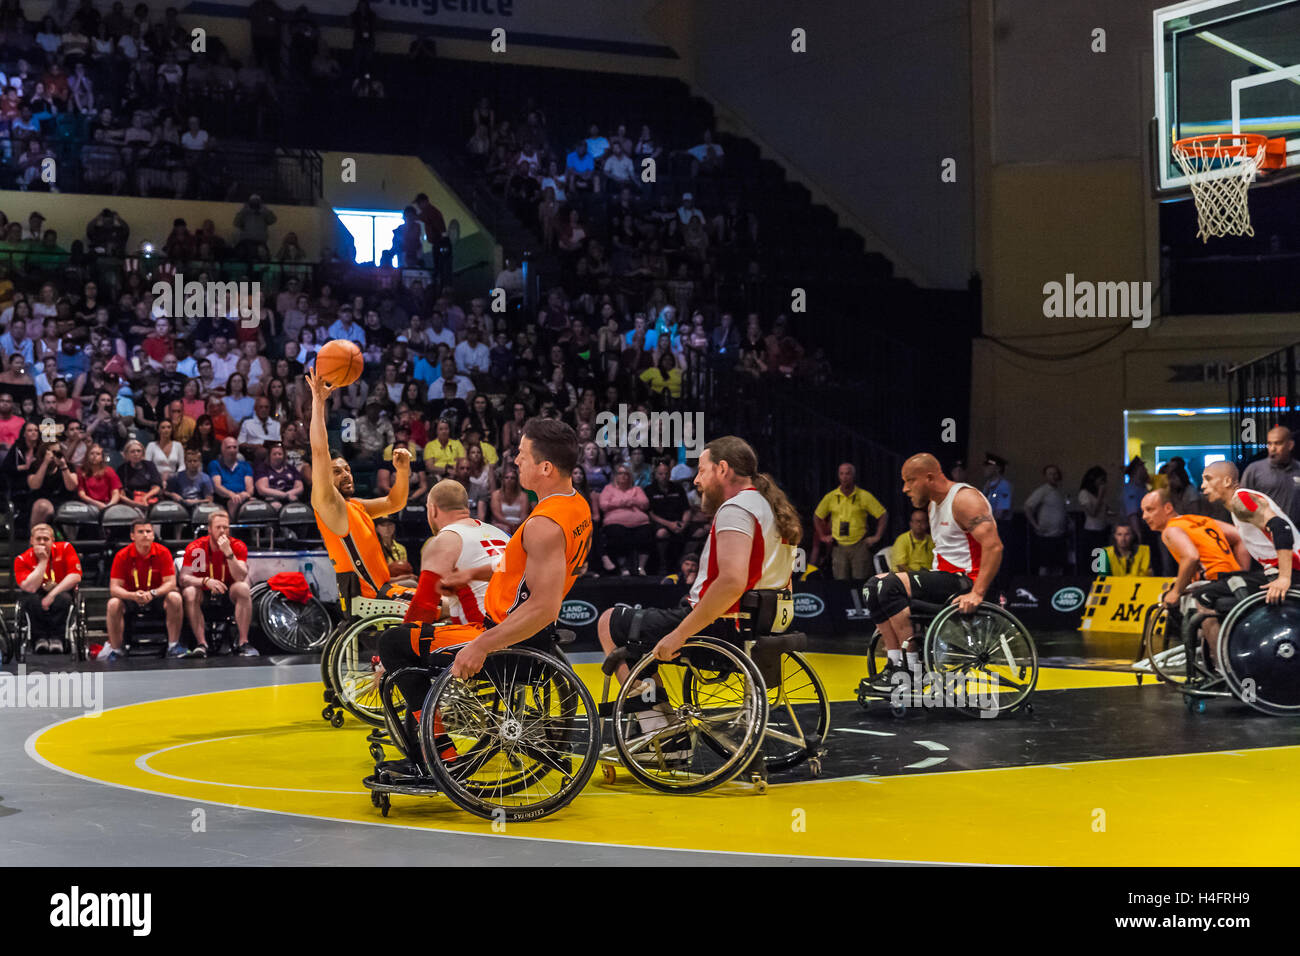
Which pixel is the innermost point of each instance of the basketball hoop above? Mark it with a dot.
(1220, 168)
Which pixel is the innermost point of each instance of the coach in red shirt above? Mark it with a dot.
(142, 581)
(214, 577)
(47, 575)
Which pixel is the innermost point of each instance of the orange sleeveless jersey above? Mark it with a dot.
(507, 588)
(359, 551)
(1211, 545)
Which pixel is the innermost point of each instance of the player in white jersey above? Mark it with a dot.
(1267, 533)
(967, 555)
(459, 542)
(750, 546)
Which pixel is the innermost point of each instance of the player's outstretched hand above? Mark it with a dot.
(402, 459)
(320, 389)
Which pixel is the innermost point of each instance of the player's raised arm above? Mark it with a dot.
(395, 500)
(325, 498)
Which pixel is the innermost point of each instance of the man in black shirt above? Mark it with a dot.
(669, 513)
(450, 407)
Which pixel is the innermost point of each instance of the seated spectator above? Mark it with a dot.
(239, 404)
(374, 432)
(625, 518)
(258, 431)
(214, 584)
(182, 424)
(440, 455)
(686, 572)
(913, 550)
(75, 444)
(141, 483)
(98, 484)
(142, 583)
(707, 157)
(222, 425)
(50, 481)
(1125, 557)
(232, 477)
(47, 575)
(399, 568)
(204, 440)
(510, 504)
(190, 485)
(11, 425)
(165, 453)
(665, 380)
(276, 481)
(419, 482)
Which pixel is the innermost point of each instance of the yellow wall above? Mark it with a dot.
(70, 213)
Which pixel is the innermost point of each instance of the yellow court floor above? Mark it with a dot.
(267, 749)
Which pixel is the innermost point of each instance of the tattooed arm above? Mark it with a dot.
(972, 514)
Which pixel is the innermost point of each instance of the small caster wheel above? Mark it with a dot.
(1139, 677)
(863, 701)
(814, 767)
(337, 719)
(759, 782)
(1200, 707)
(384, 804)
(898, 711)
(327, 713)
(609, 773)
(1029, 708)
(374, 799)
(376, 753)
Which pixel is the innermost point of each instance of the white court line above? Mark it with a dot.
(930, 745)
(142, 762)
(855, 730)
(927, 762)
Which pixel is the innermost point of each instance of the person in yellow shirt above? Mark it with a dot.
(442, 452)
(473, 436)
(664, 377)
(913, 549)
(842, 518)
(1126, 558)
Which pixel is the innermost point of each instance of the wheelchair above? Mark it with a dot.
(350, 652)
(751, 705)
(1163, 651)
(16, 638)
(292, 627)
(1259, 655)
(517, 741)
(984, 664)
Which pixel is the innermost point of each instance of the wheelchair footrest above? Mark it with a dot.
(409, 786)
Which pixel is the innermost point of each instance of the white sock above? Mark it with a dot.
(895, 656)
(913, 661)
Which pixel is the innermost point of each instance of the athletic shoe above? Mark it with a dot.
(247, 650)
(200, 650)
(177, 650)
(114, 656)
(885, 683)
(106, 652)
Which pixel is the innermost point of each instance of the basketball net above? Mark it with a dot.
(1220, 170)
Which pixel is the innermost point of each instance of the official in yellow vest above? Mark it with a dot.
(1126, 558)
(913, 549)
(844, 512)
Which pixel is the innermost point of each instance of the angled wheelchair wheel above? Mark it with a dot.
(352, 668)
(517, 741)
(1162, 647)
(6, 639)
(74, 630)
(22, 635)
(876, 657)
(1259, 652)
(292, 627)
(327, 649)
(986, 659)
(708, 721)
(798, 715)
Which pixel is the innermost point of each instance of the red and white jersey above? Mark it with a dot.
(954, 550)
(771, 560)
(480, 544)
(1258, 540)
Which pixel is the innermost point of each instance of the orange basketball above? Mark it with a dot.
(339, 362)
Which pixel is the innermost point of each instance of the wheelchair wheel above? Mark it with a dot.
(292, 627)
(517, 741)
(798, 714)
(1163, 650)
(352, 668)
(1259, 652)
(6, 640)
(987, 659)
(74, 631)
(876, 657)
(709, 722)
(22, 635)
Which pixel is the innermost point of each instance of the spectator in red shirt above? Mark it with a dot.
(98, 484)
(142, 581)
(47, 575)
(214, 581)
(11, 425)
(159, 343)
(222, 426)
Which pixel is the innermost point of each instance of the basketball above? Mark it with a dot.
(339, 362)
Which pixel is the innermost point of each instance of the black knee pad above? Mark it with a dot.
(891, 596)
(871, 597)
(395, 648)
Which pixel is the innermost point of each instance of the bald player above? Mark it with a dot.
(1200, 545)
(346, 523)
(967, 555)
(1269, 535)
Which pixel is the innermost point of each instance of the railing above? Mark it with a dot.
(1263, 393)
(228, 172)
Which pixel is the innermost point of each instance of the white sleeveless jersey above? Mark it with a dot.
(771, 560)
(1258, 541)
(954, 549)
(480, 544)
